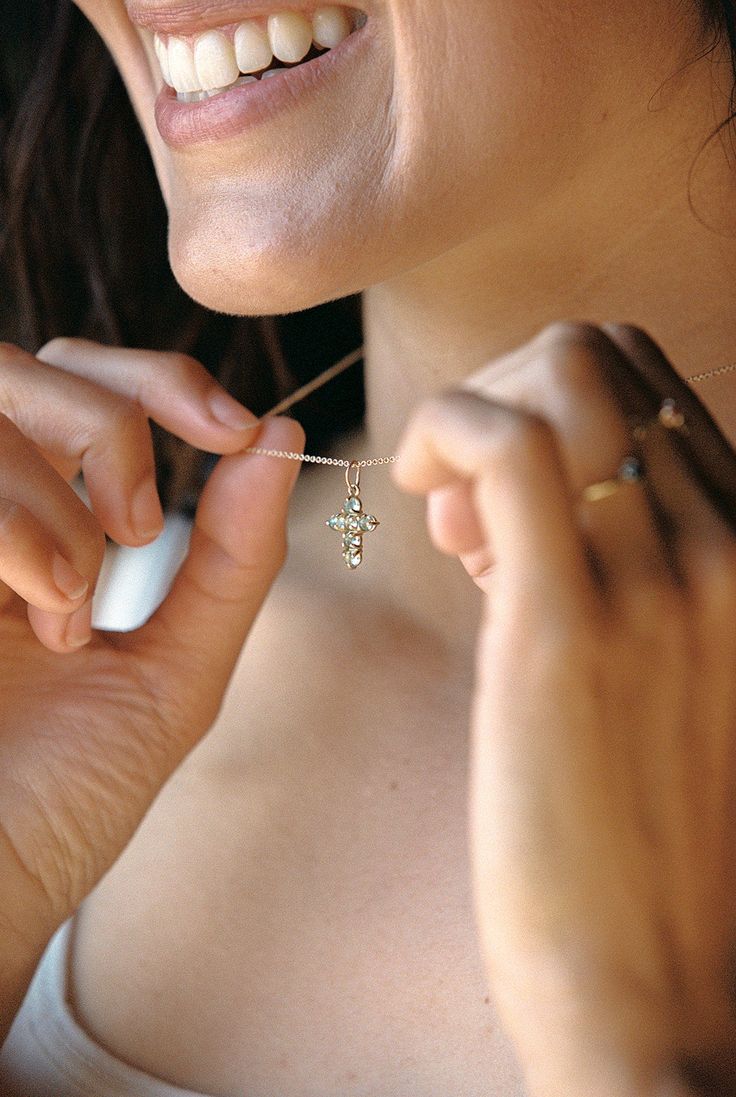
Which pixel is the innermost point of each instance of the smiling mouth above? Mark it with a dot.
(203, 65)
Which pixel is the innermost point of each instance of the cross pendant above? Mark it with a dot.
(352, 521)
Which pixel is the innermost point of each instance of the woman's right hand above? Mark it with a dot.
(90, 728)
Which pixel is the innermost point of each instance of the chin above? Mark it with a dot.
(255, 292)
(238, 296)
(266, 277)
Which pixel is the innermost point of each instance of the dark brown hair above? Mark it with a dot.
(83, 239)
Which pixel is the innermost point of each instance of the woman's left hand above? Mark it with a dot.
(602, 808)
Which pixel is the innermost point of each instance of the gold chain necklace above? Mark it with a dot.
(352, 521)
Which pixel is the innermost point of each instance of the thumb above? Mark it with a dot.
(189, 647)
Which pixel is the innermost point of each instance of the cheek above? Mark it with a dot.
(493, 90)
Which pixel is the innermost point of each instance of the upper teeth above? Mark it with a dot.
(216, 59)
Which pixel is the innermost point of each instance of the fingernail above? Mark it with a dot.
(79, 626)
(146, 515)
(71, 584)
(229, 412)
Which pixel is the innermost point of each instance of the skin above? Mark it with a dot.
(467, 245)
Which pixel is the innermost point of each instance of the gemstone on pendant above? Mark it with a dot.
(631, 471)
(352, 523)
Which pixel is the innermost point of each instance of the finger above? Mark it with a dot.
(690, 479)
(455, 530)
(174, 389)
(452, 521)
(26, 479)
(522, 497)
(56, 517)
(691, 476)
(106, 433)
(710, 458)
(32, 565)
(238, 545)
(62, 633)
(89, 427)
(573, 370)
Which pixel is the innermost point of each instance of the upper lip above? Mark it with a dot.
(191, 16)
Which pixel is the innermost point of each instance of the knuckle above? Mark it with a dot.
(576, 362)
(572, 370)
(124, 417)
(570, 334)
(180, 367)
(626, 331)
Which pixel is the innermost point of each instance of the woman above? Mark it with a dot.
(289, 903)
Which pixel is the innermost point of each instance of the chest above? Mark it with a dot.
(294, 915)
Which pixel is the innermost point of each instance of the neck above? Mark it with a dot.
(613, 244)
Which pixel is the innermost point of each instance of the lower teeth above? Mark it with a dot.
(195, 96)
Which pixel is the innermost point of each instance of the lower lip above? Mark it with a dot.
(235, 111)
